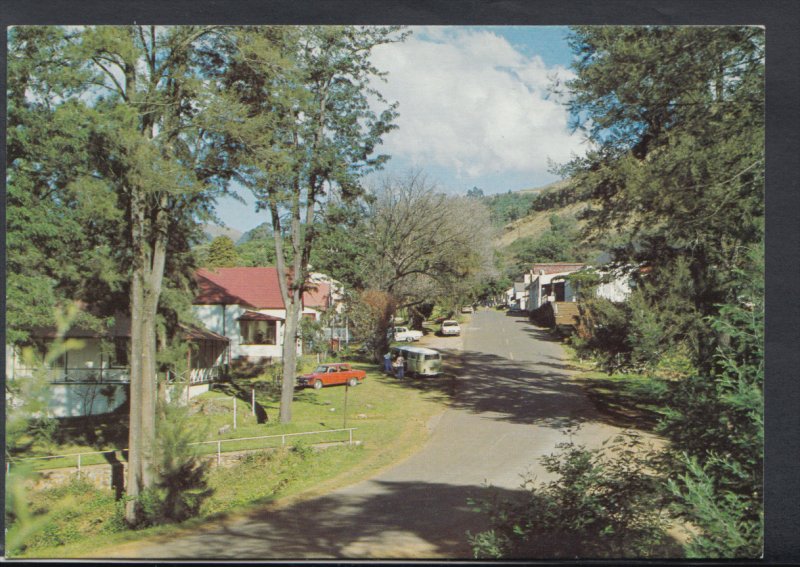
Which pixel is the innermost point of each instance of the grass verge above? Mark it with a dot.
(630, 400)
(391, 424)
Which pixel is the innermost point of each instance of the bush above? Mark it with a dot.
(605, 504)
(181, 486)
(717, 421)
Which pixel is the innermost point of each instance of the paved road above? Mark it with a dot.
(511, 402)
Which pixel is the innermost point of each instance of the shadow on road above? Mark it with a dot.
(398, 519)
(540, 333)
(516, 391)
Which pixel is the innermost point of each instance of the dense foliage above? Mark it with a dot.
(603, 504)
(562, 242)
(221, 253)
(677, 115)
(508, 207)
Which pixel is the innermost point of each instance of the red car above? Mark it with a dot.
(331, 374)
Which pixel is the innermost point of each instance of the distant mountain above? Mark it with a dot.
(263, 230)
(211, 231)
(554, 186)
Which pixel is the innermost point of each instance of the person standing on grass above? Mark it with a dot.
(387, 363)
(399, 366)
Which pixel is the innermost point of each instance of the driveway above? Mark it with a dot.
(510, 402)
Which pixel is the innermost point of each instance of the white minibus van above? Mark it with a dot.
(419, 361)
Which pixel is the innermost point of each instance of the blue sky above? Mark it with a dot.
(475, 110)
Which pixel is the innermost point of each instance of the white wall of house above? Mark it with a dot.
(84, 364)
(89, 385)
(616, 290)
(535, 295)
(224, 320)
(86, 392)
(71, 400)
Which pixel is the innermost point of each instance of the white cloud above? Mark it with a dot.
(472, 103)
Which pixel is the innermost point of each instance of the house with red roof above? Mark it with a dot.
(245, 305)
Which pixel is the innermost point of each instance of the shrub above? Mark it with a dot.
(717, 421)
(605, 503)
(59, 515)
(182, 485)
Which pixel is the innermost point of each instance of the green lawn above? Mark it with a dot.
(390, 422)
(631, 400)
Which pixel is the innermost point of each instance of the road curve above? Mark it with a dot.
(511, 402)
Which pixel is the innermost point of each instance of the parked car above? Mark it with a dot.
(330, 375)
(450, 328)
(467, 309)
(406, 334)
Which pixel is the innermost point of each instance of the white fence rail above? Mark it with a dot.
(218, 443)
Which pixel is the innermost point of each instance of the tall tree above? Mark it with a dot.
(677, 117)
(419, 246)
(150, 147)
(62, 222)
(300, 102)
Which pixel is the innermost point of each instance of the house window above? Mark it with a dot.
(43, 346)
(119, 358)
(258, 332)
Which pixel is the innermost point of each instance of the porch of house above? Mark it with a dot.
(95, 379)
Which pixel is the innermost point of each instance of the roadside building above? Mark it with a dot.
(245, 305)
(95, 379)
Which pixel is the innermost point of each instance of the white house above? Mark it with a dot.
(510, 295)
(616, 284)
(94, 379)
(521, 295)
(549, 279)
(245, 306)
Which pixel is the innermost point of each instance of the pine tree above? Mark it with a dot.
(222, 253)
(678, 171)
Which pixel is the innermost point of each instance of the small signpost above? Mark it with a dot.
(346, 389)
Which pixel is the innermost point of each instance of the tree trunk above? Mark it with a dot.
(290, 332)
(148, 272)
(135, 481)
